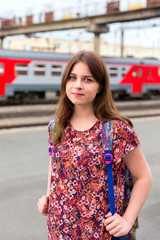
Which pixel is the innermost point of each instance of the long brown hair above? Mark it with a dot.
(103, 105)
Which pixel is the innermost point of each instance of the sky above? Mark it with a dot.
(136, 33)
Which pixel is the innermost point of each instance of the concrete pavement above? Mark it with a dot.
(23, 179)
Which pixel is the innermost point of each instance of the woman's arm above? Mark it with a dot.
(140, 169)
(138, 166)
(43, 202)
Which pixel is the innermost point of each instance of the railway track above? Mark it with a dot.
(40, 114)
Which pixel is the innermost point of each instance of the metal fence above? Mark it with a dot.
(80, 9)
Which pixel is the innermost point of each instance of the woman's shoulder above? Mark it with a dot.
(120, 124)
(124, 139)
(122, 128)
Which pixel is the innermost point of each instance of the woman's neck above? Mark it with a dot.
(83, 119)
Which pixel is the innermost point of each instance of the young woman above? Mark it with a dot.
(76, 203)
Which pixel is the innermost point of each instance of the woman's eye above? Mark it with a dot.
(88, 80)
(71, 77)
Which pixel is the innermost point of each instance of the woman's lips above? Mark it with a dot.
(77, 94)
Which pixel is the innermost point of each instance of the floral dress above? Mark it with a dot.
(78, 200)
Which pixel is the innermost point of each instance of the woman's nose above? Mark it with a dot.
(78, 83)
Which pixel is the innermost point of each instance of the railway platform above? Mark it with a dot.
(35, 115)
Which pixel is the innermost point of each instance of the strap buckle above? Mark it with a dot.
(108, 157)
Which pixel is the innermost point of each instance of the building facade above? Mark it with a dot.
(66, 46)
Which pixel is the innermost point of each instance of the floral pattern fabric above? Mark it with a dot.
(78, 200)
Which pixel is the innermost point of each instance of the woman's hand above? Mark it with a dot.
(42, 205)
(116, 225)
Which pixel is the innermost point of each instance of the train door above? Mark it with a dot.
(152, 84)
(137, 79)
(2, 78)
(153, 75)
(134, 78)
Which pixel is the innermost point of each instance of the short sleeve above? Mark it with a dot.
(124, 140)
(51, 133)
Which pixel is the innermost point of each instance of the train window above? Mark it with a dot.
(56, 70)
(21, 72)
(137, 73)
(113, 74)
(1, 68)
(39, 69)
(39, 73)
(21, 65)
(140, 73)
(21, 69)
(113, 68)
(123, 71)
(134, 73)
(150, 74)
(113, 71)
(42, 66)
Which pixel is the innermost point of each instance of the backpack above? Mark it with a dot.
(107, 136)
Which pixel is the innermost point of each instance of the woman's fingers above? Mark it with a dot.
(42, 205)
(116, 225)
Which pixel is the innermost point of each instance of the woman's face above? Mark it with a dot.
(81, 87)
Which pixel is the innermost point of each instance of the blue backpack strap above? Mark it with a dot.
(52, 128)
(107, 136)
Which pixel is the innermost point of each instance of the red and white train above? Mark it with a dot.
(25, 74)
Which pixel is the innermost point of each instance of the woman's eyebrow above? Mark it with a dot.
(83, 76)
(88, 76)
(72, 74)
